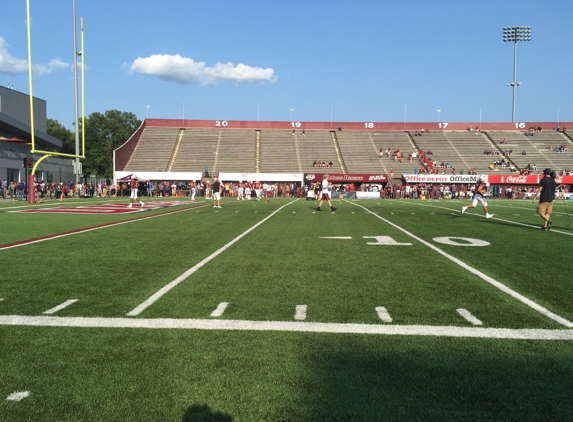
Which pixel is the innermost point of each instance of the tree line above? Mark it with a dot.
(103, 133)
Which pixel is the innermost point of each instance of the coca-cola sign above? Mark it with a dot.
(516, 179)
(532, 179)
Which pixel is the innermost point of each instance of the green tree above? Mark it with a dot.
(103, 134)
(58, 131)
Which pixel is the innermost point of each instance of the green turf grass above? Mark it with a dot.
(171, 374)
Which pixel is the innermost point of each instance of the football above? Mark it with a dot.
(268, 199)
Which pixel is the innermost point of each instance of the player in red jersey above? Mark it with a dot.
(258, 186)
(134, 187)
(479, 196)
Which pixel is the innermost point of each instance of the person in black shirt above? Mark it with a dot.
(216, 187)
(546, 196)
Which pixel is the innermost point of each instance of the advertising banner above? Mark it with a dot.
(347, 178)
(510, 179)
(492, 179)
(441, 178)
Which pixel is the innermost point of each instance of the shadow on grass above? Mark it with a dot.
(203, 413)
(449, 379)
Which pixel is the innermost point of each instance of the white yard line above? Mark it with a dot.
(287, 326)
(493, 282)
(469, 317)
(533, 208)
(300, 312)
(493, 218)
(60, 306)
(220, 309)
(156, 296)
(383, 314)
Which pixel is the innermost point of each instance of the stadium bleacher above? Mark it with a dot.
(540, 149)
(153, 150)
(280, 152)
(349, 151)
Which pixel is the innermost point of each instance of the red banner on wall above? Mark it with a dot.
(510, 179)
(347, 178)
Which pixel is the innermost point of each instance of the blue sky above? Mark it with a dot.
(363, 61)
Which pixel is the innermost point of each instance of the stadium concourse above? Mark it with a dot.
(386, 156)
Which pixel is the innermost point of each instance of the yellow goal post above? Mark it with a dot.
(33, 140)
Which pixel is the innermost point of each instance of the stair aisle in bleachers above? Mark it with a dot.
(153, 150)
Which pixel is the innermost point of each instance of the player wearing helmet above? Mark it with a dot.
(479, 196)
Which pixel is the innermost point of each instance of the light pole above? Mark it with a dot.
(291, 110)
(147, 110)
(439, 111)
(515, 34)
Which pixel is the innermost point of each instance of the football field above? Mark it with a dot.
(274, 311)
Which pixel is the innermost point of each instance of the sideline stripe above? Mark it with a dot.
(156, 296)
(61, 306)
(469, 317)
(481, 275)
(88, 229)
(307, 327)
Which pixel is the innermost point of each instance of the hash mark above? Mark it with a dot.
(300, 313)
(60, 306)
(469, 317)
(220, 309)
(18, 395)
(383, 314)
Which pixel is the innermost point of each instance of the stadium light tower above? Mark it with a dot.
(515, 34)
(291, 110)
(439, 111)
(147, 109)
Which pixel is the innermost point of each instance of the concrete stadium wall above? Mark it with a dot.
(122, 154)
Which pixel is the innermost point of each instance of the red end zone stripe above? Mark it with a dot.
(101, 226)
(101, 209)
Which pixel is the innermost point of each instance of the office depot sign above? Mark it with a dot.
(440, 178)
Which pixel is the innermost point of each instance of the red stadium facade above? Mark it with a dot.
(409, 126)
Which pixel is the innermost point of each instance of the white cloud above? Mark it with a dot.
(184, 70)
(12, 66)
(54, 66)
(9, 64)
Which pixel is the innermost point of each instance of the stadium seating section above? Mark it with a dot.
(349, 151)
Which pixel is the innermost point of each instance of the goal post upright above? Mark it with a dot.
(31, 178)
